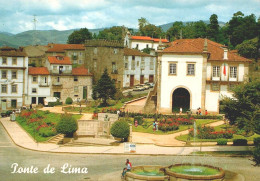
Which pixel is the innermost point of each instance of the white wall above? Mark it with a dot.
(192, 83)
(137, 71)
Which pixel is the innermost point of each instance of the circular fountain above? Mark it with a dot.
(148, 172)
(181, 172)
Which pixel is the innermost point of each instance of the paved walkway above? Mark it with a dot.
(22, 139)
(166, 140)
(85, 116)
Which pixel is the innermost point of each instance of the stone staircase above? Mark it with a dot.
(58, 139)
(151, 101)
(88, 141)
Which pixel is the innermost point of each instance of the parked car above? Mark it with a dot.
(150, 84)
(139, 88)
(50, 99)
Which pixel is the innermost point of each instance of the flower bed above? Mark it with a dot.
(206, 132)
(170, 124)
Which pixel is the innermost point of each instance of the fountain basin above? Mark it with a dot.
(147, 172)
(183, 172)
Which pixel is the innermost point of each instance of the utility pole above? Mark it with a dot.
(34, 28)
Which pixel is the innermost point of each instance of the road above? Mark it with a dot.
(100, 167)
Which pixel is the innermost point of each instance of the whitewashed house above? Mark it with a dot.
(142, 42)
(39, 84)
(139, 67)
(13, 81)
(197, 73)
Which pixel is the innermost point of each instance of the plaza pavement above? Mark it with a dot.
(23, 139)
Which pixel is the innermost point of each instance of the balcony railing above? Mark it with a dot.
(56, 84)
(44, 84)
(61, 72)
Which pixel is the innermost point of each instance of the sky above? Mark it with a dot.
(17, 15)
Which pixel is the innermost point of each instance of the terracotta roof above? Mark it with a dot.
(134, 52)
(38, 71)
(80, 71)
(59, 60)
(7, 48)
(215, 50)
(63, 47)
(147, 38)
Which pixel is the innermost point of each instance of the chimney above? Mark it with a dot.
(205, 48)
(225, 53)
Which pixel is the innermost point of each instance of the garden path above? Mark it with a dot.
(164, 140)
(85, 116)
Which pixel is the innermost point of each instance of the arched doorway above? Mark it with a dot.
(180, 98)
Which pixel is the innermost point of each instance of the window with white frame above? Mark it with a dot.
(126, 65)
(34, 90)
(4, 61)
(14, 75)
(14, 88)
(4, 74)
(233, 72)
(216, 71)
(14, 61)
(151, 64)
(190, 69)
(3, 88)
(142, 64)
(34, 79)
(172, 68)
(133, 65)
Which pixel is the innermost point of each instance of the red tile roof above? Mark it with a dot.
(147, 38)
(59, 60)
(63, 47)
(215, 50)
(38, 71)
(80, 71)
(134, 52)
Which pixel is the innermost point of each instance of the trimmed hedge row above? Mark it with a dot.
(159, 116)
(239, 142)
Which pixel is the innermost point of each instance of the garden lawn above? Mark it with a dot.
(218, 128)
(147, 126)
(51, 117)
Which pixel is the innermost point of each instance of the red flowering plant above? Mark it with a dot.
(207, 132)
(185, 121)
(168, 124)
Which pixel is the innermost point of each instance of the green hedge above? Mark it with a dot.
(67, 125)
(239, 142)
(46, 132)
(120, 129)
(257, 141)
(139, 120)
(159, 116)
(52, 104)
(222, 141)
(69, 100)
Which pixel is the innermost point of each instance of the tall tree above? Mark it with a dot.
(200, 29)
(213, 28)
(175, 31)
(244, 109)
(105, 89)
(152, 31)
(242, 28)
(142, 22)
(79, 36)
(113, 33)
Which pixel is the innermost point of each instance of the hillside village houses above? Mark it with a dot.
(190, 73)
(196, 73)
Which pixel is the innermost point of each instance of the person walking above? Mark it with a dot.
(154, 126)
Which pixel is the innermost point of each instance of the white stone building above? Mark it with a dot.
(139, 67)
(197, 73)
(39, 80)
(13, 81)
(142, 42)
